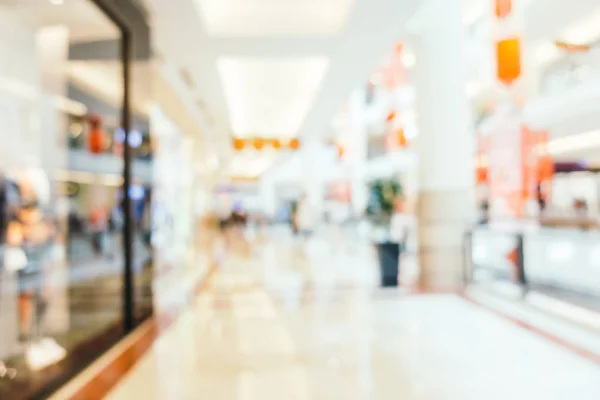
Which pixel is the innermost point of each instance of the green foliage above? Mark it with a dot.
(382, 196)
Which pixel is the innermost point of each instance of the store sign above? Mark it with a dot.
(508, 56)
(518, 162)
(503, 8)
(505, 171)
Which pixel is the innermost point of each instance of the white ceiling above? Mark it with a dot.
(270, 97)
(285, 67)
(104, 79)
(277, 67)
(84, 20)
(273, 17)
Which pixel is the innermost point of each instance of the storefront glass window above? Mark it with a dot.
(61, 190)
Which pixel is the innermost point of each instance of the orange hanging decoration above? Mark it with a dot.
(394, 72)
(508, 54)
(239, 144)
(259, 143)
(340, 151)
(481, 176)
(503, 8)
(276, 143)
(96, 139)
(402, 141)
(391, 116)
(294, 144)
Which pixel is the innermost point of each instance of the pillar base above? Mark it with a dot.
(443, 220)
(442, 270)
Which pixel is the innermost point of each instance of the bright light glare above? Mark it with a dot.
(546, 53)
(584, 31)
(409, 59)
(273, 17)
(473, 89)
(475, 10)
(44, 353)
(411, 131)
(270, 97)
(574, 142)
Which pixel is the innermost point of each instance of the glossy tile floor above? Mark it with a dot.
(287, 324)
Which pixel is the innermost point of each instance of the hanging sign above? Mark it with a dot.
(503, 8)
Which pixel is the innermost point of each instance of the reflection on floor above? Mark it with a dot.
(308, 323)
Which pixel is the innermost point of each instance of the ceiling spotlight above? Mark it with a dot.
(135, 138)
(57, 2)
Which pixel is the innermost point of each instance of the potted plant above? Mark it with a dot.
(380, 210)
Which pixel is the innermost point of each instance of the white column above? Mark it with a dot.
(312, 174)
(445, 145)
(358, 154)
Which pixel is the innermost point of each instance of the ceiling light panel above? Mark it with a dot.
(585, 30)
(270, 97)
(273, 17)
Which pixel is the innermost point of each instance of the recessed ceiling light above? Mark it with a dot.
(270, 96)
(57, 2)
(585, 30)
(273, 17)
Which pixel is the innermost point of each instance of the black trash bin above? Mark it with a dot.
(389, 259)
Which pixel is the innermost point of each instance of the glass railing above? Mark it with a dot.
(561, 259)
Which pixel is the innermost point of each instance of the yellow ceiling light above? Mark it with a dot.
(573, 143)
(270, 97)
(273, 17)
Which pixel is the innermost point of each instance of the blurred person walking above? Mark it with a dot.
(98, 224)
(305, 221)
